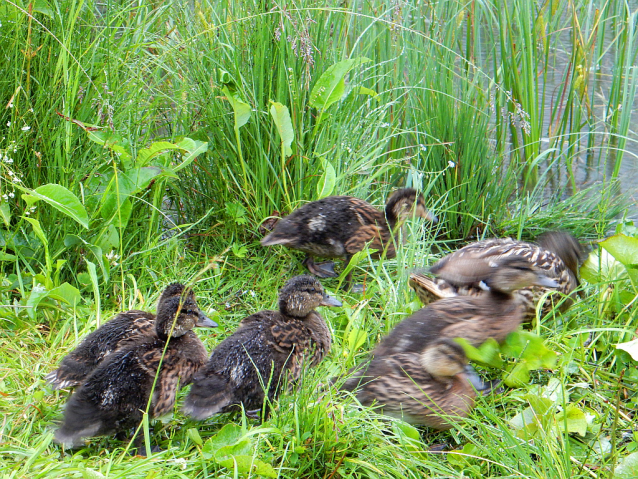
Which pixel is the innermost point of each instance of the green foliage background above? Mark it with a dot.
(143, 143)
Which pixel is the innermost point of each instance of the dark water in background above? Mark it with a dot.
(594, 166)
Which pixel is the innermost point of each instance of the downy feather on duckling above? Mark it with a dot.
(340, 226)
(556, 255)
(420, 388)
(267, 346)
(494, 314)
(124, 327)
(114, 395)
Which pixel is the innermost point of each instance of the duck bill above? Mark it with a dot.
(204, 321)
(431, 217)
(547, 282)
(330, 301)
(474, 378)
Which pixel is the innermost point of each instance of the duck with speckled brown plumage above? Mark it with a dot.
(494, 314)
(125, 327)
(115, 394)
(340, 226)
(267, 348)
(556, 255)
(431, 388)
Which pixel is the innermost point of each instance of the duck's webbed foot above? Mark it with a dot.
(320, 270)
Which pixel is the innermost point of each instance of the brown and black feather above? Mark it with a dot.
(116, 392)
(267, 348)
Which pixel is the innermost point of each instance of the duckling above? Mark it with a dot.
(124, 327)
(556, 255)
(114, 395)
(267, 346)
(340, 226)
(475, 318)
(420, 388)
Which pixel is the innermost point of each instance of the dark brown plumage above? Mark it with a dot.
(556, 255)
(494, 314)
(266, 346)
(420, 388)
(125, 327)
(114, 395)
(340, 226)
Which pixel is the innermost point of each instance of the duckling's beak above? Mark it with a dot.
(204, 321)
(330, 301)
(547, 282)
(431, 217)
(474, 378)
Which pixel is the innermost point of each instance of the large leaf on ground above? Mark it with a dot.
(61, 199)
(623, 248)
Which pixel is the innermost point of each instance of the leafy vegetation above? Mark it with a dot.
(146, 143)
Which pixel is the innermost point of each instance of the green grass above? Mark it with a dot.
(490, 110)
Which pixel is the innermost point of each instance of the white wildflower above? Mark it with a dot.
(451, 164)
(25, 128)
(8, 123)
(38, 288)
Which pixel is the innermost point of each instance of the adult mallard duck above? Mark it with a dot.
(420, 388)
(115, 393)
(125, 327)
(251, 364)
(556, 255)
(494, 314)
(340, 226)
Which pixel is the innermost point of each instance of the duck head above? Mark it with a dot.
(404, 203)
(301, 295)
(177, 304)
(514, 273)
(444, 358)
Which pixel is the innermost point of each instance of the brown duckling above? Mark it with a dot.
(340, 226)
(556, 255)
(475, 318)
(126, 326)
(420, 388)
(114, 395)
(267, 346)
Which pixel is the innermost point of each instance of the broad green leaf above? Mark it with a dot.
(281, 117)
(572, 419)
(61, 199)
(228, 435)
(66, 293)
(193, 149)
(623, 248)
(38, 293)
(7, 257)
(241, 109)
(245, 464)
(326, 183)
(601, 266)
(113, 141)
(147, 154)
(488, 353)
(555, 391)
(330, 86)
(526, 422)
(194, 436)
(631, 347)
(5, 212)
(367, 91)
(241, 448)
(628, 467)
(356, 338)
(92, 474)
(518, 376)
(126, 184)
